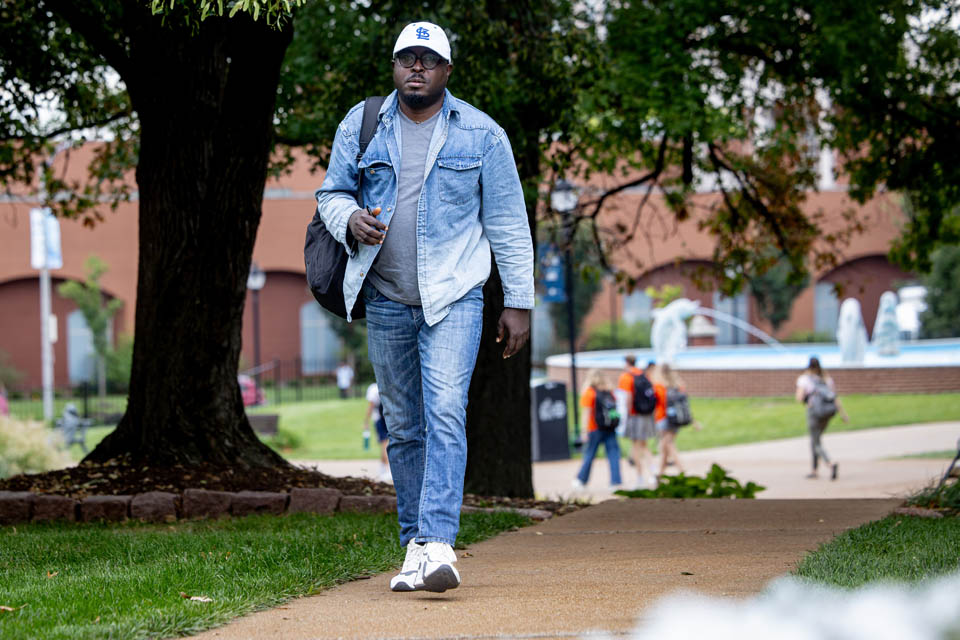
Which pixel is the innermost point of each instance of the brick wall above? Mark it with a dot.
(720, 383)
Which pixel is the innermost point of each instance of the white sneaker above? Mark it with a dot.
(437, 572)
(404, 581)
(576, 484)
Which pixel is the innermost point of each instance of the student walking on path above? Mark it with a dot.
(419, 258)
(641, 403)
(602, 420)
(672, 413)
(816, 391)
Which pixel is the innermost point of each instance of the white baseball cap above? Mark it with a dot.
(424, 34)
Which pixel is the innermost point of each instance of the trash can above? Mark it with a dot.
(548, 422)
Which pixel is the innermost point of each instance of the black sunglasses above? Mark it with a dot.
(428, 59)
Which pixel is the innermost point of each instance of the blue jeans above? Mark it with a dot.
(424, 373)
(610, 445)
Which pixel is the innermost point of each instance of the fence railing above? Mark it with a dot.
(28, 404)
(284, 381)
(279, 382)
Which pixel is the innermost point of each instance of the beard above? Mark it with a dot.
(418, 101)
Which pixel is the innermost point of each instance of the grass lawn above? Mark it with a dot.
(740, 420)
(332, 429)
(897, 548)
(85, 581)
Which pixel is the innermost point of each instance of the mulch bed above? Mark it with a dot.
(117, 478)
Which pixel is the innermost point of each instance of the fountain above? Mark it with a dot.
(851, 334)
(668, 335)
(886, 330)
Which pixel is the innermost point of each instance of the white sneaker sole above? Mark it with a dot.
(404, 582)
(444, 577)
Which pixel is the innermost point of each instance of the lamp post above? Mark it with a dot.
(255, 281)
(564, 200)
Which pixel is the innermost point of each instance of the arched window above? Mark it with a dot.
(319, 344)
(738, 308)
(826, 308)
(637, 306)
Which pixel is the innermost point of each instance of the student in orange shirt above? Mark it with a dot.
(594, 386)
(640, 425)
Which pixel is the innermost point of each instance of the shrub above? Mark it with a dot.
(119, 364)
(805, 335)
(26, 446)
(716, 484)
(629, 336)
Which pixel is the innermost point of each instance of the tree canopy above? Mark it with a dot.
(740, 97)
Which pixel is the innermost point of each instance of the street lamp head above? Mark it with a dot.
(564, 197)
(256, 278)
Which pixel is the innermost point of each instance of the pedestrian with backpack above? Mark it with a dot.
(641, 402)
(673, 413)
(405, 204)
(816, 391)
(600, 408)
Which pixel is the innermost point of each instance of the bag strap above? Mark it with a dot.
(371, 111)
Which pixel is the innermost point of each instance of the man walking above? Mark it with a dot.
(640, 426)
(442, 189)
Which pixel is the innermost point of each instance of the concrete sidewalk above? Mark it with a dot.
(868, 459)
(592, 570)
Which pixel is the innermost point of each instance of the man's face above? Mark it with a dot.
(418, 86)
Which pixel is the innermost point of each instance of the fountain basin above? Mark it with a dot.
(922, 366)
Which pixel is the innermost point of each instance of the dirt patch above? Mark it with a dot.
(117, 478)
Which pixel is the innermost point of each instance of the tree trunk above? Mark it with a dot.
(498, 411)
(206, 104)
(498, 408)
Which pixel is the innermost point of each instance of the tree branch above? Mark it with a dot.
(103, 37)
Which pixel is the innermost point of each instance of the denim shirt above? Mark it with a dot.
(471, 201)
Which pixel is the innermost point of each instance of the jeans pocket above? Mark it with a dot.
(459, 179)
(369, 292)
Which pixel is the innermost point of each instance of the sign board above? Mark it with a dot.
(551, 268)
(45, 240)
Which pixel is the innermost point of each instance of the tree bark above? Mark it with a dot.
(206, 103)
(498, 411)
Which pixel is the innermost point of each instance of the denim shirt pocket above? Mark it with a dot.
(379, 181)
(459, 178)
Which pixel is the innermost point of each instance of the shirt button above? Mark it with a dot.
(372, 171)
(361, 274)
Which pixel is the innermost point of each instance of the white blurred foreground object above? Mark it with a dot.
(793, 610)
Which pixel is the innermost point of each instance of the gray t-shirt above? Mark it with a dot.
(394, 273)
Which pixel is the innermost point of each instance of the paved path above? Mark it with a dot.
(869, 467)
(595, 569)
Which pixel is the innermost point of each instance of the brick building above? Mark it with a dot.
(293, 326)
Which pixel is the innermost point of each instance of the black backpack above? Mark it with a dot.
(324, 257)
(678, 408)
(644, 399)
(605, 411)
(823, 400)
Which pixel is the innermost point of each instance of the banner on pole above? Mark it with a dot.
(552, 274)
(45, 240)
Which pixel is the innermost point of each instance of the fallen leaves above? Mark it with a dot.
(52, 574)
(6, 609)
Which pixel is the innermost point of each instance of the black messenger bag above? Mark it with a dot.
(324, 257)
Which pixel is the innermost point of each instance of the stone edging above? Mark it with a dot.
(159, 506)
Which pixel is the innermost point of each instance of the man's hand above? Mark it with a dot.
(365, 227)
(514, 326)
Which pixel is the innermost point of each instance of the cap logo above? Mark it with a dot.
(422, 33)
